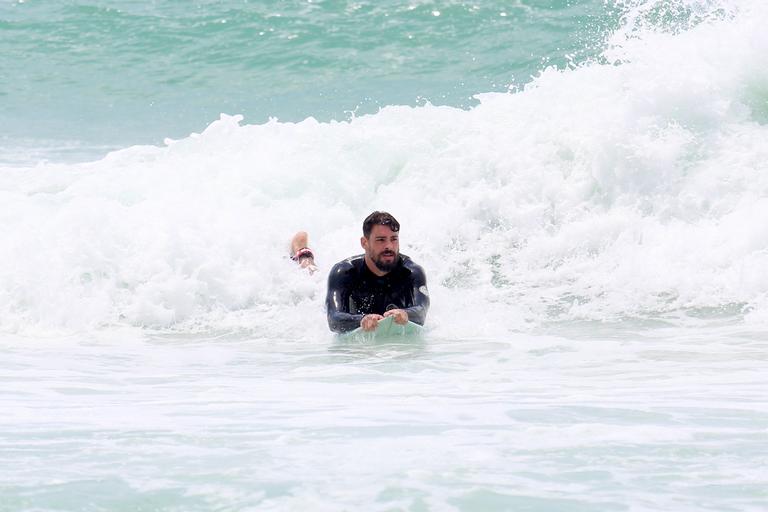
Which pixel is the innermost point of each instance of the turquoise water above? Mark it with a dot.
(115, 74)
(585, 184)
(530, 423)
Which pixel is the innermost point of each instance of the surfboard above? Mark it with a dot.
(387, 329)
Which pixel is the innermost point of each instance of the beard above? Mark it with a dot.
(386, 266)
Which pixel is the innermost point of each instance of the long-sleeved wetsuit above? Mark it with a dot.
(354, 291)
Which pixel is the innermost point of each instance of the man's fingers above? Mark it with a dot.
(401, 317)
(369, 322)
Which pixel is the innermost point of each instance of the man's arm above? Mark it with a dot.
(337, 300)
(418, 312)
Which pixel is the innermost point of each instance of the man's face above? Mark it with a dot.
(382, 247)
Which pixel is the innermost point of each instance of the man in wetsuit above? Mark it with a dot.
(364, 289)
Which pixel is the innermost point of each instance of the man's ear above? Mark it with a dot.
(363, 242)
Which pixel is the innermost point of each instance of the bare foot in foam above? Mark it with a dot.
(301, 253)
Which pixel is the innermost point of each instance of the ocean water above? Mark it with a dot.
(585, 183)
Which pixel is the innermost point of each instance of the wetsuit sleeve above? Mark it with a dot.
(418, 312)
(337, 301)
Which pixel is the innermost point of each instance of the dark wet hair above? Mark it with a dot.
(379, 219)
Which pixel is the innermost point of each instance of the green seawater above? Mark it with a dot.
(593, 244)
(81, 76)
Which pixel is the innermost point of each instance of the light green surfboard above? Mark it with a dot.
(388, 329)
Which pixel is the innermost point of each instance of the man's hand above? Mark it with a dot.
(401, 316)
(369, 322)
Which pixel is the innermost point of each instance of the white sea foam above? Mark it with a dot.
(633, 193)
(630, 188)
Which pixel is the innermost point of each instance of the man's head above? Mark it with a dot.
(381, 242)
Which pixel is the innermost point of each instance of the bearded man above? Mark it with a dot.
(365, 289)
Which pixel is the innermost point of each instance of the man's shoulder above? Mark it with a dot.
(411, 266)
(347, 266)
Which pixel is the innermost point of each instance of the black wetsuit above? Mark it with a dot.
(354, 291)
